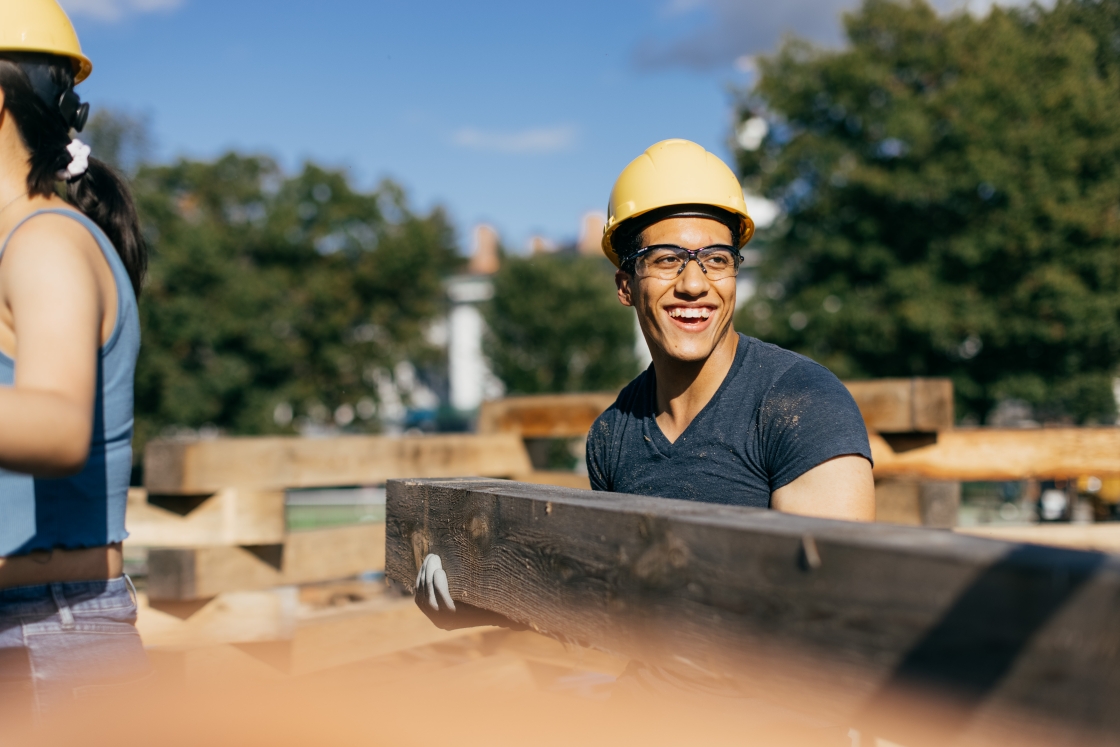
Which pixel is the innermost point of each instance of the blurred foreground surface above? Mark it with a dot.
(488, 686)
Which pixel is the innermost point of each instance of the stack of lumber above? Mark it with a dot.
(227, 579)
(901, 414)
(920, 457)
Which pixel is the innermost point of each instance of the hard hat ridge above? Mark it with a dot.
(41, 26)
(673, 177)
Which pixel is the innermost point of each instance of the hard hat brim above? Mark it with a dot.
(674, 173)
(746, 226)
(82, 65)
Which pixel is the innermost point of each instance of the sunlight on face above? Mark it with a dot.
(686, 317)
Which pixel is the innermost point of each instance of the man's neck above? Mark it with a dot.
(684, 388)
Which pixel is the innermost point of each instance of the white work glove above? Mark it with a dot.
(431, 586)
(433, 597)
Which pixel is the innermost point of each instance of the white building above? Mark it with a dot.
(469, 377)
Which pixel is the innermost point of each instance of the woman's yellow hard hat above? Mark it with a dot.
(674, 172)
(41, 26)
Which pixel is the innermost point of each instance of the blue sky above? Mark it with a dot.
(514, 113)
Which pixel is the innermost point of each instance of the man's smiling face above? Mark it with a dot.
(687, 317)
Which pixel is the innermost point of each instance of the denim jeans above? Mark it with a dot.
(60, 642)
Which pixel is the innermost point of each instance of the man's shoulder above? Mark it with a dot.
(768, 366)
(629, 404)
(783, 378)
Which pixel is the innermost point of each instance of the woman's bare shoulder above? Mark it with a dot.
(50, 242)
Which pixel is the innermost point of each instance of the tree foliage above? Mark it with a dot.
(555, 325)
(951, 195)
(274, 301)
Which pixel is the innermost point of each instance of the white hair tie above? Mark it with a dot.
(79, 160)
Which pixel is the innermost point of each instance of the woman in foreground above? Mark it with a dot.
(70, 271)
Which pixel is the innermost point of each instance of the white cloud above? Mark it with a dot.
(532, 140)
(714, 34)
(114, 10)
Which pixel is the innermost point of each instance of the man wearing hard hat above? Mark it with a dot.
(718, 417)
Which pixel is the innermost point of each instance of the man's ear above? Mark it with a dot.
(624, 281)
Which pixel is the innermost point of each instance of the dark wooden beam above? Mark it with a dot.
(792, 604)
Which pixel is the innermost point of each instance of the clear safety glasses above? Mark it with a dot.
(667, 261)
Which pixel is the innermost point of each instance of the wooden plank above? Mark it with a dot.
(195, 467)
(230, 516)
(304, 557)
(977, 454)
(233, 617)
(790, 602)
(913, 503)
(376, 628)
(904, 405)
(898, 502)
(207, 664)
(292, 631)
(556, 477)
(1100, 537)
(546, 415)
(887, 405)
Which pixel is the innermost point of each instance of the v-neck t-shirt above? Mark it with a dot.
(776, 416)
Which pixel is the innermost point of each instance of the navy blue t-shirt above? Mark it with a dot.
(776, 415)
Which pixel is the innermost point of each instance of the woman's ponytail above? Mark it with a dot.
(105, 199)
(99, 192)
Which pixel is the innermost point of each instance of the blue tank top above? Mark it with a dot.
(86, 509)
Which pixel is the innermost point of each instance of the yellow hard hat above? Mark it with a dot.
(674, 172)
(41, 26)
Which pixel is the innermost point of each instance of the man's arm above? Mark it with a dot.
(841, 488)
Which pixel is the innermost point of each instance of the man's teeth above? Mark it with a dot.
(689, 313)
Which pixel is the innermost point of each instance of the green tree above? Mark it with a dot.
(951, 188)
(555, 325)
(120, 139)
(272, 302)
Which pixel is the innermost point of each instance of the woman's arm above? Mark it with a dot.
(49, 284)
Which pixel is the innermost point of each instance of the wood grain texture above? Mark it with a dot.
(233, 617)
(904, 405)
(230, 516)
(304, 557)
(913, 503)
(178, 467)
(372, 629)
(789, 602)
(556, 477)
(1004, 454)
(278, 630)
(544, 415)
(887, 406)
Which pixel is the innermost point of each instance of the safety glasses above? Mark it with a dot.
(667, 261)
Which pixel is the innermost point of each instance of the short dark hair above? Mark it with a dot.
(627, 238)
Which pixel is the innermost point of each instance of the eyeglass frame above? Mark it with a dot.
(693, 255)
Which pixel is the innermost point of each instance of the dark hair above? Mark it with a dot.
(100, 193)
(627, 239)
